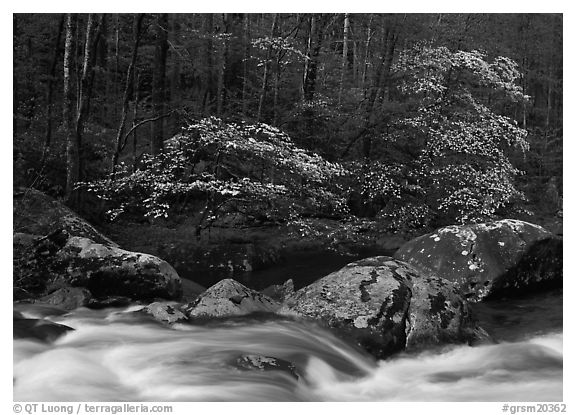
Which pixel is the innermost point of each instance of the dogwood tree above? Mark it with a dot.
(254, 169)
(461, 169)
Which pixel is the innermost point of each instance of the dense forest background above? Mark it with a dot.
(410, 121)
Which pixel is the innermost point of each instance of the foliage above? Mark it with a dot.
(281, 46)
(253, 169)
(461, 170)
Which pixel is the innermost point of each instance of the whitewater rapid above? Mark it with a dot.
(122, 355)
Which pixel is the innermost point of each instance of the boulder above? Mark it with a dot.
(265, 364)
(67, 298)
(38, 329)
(386, 306)
(70, 298)
(493, 259)
(110, 271)
(230, 298)
(37, 213)
(60, 260)
(165, 312)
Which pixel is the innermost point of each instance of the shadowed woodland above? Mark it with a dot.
(211, 128)
(414, 111)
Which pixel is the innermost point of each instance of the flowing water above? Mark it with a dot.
(122, 355)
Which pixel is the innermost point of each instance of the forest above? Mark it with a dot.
(413, 120)
(288, 207)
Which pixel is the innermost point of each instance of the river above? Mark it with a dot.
(120, 355)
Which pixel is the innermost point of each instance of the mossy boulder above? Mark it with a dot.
(386, 306)
(230, 298)
(111, 271)
(493, 259)
(62, 261)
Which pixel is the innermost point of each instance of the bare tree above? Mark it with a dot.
(344, 56)
(72, 148)
(50, 84)
(159, 83)
(267, 68)
(74, 126)
(127, 88)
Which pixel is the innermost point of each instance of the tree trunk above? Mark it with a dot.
(524, 29)
(367, 51)
(276, 119)
(221, 85)
(117, 77)
(50, 86)
(103, 61)
(135, 118)
(175, 87)
(316, 34)
(245, 64)
(72, 147)
(524, 90)
(344, 63)
(77, 59)
(549, 99)
(14, 78)
(158, 83)
(74, 159)
(127, 89)
(319, 32)
(266, 69)
(380, 79)
(311, 63)
(355, 59)
(210, 90)
(86, 81)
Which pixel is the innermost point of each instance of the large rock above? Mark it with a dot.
(491, 259)
(37, 329)
(109, 271)
(37, 213)
(387, 306)
(67, 298)
(165, 312)
(105, 271)
(230, 298)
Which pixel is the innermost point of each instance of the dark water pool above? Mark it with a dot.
(514, 319)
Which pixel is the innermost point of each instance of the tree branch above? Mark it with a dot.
(141, 123)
